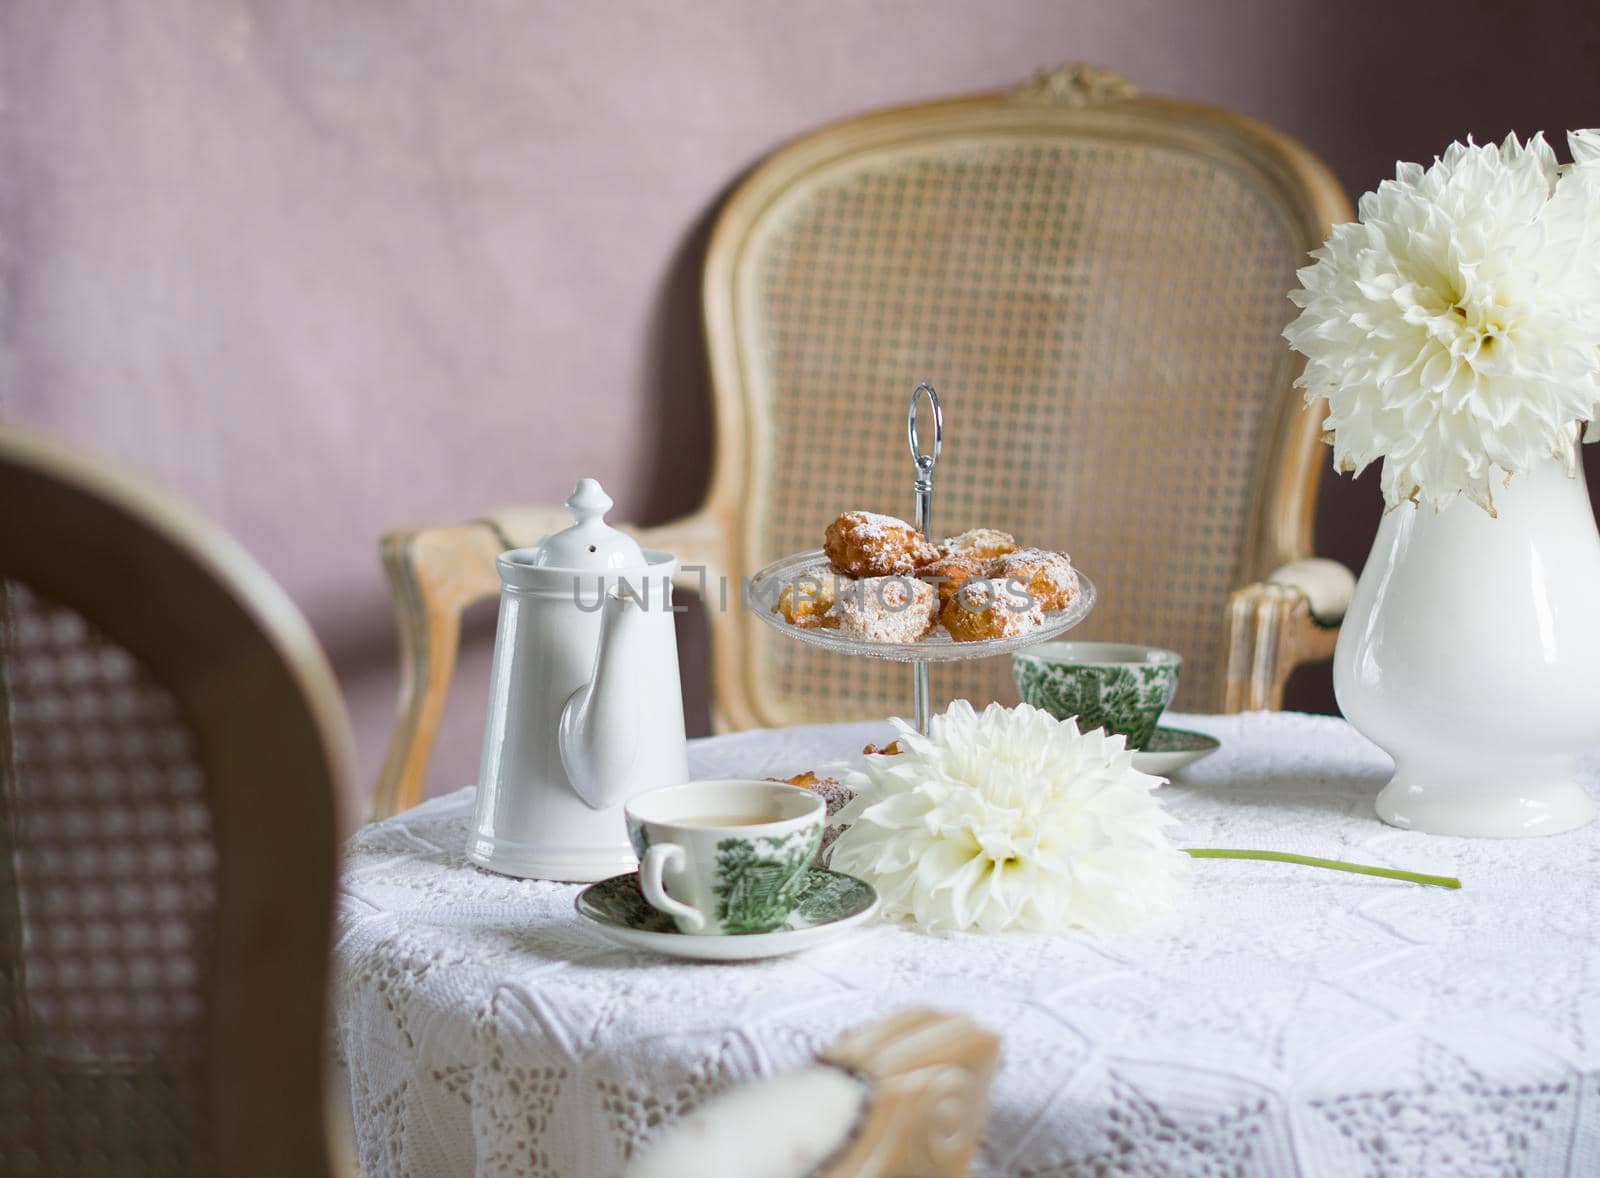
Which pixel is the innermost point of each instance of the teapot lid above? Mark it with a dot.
(588, 545)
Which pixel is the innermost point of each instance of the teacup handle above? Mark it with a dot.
(657, 859)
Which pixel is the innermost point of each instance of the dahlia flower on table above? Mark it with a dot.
(1013, 820)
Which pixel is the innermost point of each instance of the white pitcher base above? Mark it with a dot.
(1470, 655)
(1512, 810)
(562, 864)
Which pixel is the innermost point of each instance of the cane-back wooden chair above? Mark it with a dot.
(1095, 281)
(173, 751)
(906, 1096)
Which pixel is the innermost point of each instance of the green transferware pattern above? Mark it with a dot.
(825, 896)
(759, 879)
(1180, 740)
(1125, 699)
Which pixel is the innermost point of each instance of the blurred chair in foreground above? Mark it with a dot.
(173, 755)
(904, 1098)
(1096, 282)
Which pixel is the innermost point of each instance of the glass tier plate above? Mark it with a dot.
(939, 647)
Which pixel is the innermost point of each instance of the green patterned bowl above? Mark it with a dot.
(1104, 684)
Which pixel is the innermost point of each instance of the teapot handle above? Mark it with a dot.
(600, 724)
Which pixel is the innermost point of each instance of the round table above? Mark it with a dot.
(1284, 1021)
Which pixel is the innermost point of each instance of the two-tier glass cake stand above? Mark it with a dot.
(769, 583)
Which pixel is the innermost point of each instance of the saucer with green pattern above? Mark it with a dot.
(831, 905)
(1172, 749)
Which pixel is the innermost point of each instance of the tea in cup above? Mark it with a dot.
(725, 857)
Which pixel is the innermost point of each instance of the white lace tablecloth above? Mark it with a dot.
(1287, 1021)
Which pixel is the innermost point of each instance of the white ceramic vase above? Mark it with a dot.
(1471, 654)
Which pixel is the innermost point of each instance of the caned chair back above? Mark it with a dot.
(172, 753)
(1095, 282)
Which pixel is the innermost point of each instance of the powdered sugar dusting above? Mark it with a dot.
(865, 544)
(981, 542)
(1048, 577)
(886, 609)
(870, 523)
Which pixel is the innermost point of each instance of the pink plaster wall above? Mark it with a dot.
(328, 267)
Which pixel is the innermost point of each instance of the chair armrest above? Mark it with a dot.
(1326, 585)
(929, 1073)
(904, 1096)
(781, 1127)
(434, 574)
(1276, 625)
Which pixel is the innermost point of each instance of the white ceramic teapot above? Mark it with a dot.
(585, 710)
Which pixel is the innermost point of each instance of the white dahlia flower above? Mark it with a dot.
(1010, 820)
(1455, 329)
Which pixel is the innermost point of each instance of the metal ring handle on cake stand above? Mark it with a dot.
(924, 515)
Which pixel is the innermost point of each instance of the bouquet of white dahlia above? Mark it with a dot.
(1455, 328)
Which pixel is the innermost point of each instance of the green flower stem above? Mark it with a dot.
(1437, 881)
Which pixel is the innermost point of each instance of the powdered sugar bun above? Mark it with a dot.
(886, 609)
(949, 573)
(864, 544)
(806, 600)
(989, 609)
(1047, 577)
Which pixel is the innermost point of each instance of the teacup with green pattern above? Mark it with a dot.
(725, 857)
(1123, 689)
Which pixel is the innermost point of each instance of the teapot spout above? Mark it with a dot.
(600, 725)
